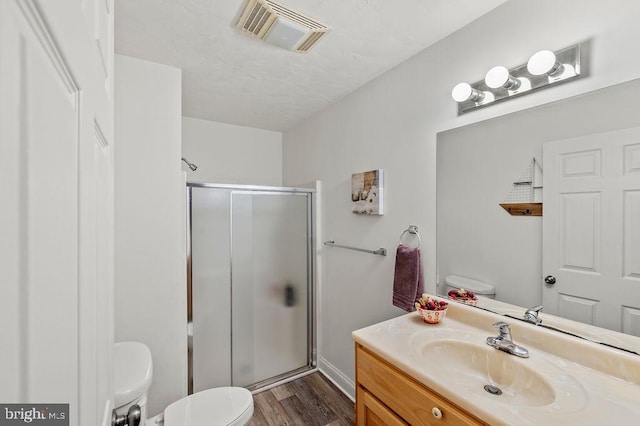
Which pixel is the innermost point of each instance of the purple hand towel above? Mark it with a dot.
(408, 282)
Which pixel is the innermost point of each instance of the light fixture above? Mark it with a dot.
(499, 77)
(463, 92)
(544, 69)
(544, 62)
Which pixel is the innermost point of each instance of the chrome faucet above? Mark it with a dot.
(531, 315)
(504, 343)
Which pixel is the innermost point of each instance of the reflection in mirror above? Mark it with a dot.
(625, 342)
(476, 238)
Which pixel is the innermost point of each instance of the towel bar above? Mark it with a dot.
(380, 252)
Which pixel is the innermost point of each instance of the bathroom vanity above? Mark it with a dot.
(410, 372)
(387, 396)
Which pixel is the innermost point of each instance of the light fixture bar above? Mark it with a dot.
(544, 69)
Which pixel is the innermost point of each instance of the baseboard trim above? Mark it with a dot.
(342, 382)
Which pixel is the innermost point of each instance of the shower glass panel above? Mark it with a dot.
(269, 292)
(250, 285)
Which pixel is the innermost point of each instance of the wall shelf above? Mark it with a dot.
(523, 209)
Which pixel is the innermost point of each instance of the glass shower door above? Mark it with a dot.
(249, 301)
(270, 236)
(209, 289)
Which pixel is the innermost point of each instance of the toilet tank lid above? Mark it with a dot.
(133, 370)
(476, 286)
(219, 406)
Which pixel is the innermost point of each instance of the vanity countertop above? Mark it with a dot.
(564, 381)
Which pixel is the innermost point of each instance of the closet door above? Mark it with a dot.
(56, 219)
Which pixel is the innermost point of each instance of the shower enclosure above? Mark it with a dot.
(250, 285)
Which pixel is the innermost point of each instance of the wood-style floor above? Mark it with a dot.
(310, 400)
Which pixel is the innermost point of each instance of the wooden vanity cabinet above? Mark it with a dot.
(387, 396)
(372, 412)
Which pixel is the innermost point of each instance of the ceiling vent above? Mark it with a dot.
(278, 25)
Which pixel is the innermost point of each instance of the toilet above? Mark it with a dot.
(480, 288)
(224, 406)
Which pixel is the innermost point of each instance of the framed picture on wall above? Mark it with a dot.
(366, 193)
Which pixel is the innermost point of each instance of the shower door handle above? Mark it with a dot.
(289, 295)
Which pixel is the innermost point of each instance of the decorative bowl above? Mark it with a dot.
(463, 296)
(471, 302)
(430, 316)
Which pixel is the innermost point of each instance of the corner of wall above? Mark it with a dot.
(342, 382)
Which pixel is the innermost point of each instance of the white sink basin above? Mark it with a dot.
(464, 361)
(474, 366)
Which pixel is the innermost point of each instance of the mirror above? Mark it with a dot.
(477, 166)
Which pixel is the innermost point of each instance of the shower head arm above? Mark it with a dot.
(192, 166)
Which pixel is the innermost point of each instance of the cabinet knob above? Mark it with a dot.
(436, 412)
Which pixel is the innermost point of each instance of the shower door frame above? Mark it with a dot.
(311, 284)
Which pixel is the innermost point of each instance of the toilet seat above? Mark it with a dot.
(132, 372)
(227, 406)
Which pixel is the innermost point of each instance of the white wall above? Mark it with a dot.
(391, 123)
(150, 288)
(226, 153)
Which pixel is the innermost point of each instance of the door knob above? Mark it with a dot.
(550, 279)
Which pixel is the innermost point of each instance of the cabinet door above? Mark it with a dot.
(372, 412)
(405, 397)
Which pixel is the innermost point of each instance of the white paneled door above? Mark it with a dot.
(56, 215)
(591, 229)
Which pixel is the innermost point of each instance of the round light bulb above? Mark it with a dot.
(463, 92)
(497, 77)
(543, 62)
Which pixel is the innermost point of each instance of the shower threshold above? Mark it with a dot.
(281, 379)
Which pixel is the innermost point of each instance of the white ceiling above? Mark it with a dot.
(231, 77)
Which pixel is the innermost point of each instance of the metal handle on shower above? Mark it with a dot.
(289, 295)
